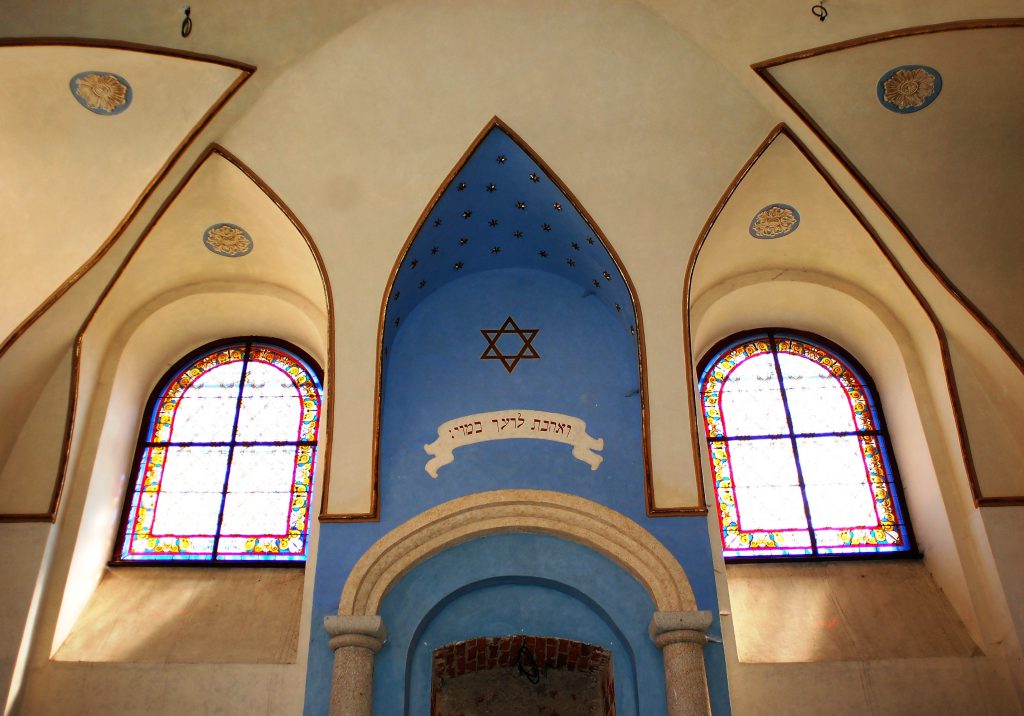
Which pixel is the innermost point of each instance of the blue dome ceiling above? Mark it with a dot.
(501, 209)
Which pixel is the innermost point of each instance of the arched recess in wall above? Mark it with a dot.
(456, 532)
(897, 141)
(504, 276)
(846, 247)
(111, 155)
(224, 256)
(785, 247)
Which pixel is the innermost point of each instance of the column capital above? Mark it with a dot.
(674, 627)
(366, 631)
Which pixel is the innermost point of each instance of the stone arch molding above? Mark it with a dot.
(677, 628)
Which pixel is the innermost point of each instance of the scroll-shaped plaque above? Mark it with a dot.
(510, 424)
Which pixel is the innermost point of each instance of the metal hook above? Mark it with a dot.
(186, 24)
(820, 11)
(532, 670)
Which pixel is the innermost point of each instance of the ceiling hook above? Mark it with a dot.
(820, 11)
(186, 24)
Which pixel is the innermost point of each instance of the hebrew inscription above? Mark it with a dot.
(509, 424)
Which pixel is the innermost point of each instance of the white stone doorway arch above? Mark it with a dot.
(677, 628)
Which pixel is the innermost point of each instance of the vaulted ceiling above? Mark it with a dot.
(357, 110)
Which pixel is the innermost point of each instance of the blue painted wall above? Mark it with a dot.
(587, 369)
(517, 584)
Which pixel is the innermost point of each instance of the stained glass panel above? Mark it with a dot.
(797, 453)
(271, 407)
(767, 489)
(750, 399)
(817, 401)
(225, 470)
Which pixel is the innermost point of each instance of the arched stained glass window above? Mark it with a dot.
(224, 467)
(799, 453)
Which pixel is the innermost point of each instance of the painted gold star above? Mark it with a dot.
(509, 327)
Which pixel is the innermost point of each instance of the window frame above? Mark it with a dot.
(886, 445)
(145, 425)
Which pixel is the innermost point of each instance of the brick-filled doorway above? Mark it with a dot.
(522, 675)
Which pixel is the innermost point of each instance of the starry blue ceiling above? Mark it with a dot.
(501, 210)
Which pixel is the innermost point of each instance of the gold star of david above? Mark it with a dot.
(509, 327)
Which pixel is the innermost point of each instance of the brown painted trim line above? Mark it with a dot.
(26, 517)
(167, 203)
(1000, 501)
(954, 397)
(147, 192)
(494, 122)
(691, 263)
(328, 426)
(763, 70)
(983, 24)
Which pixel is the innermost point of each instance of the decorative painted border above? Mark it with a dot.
(374, 513)
(763, 70)
(246, 72)
(947, 366)
(76, 355)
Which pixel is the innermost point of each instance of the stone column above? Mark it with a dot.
(681, 637)
(355, 641)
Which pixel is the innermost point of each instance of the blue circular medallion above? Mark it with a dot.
(774, 221)
(101, 92)
(228, 240)
(909, 88)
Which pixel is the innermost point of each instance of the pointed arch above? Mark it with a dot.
(76, 359)
(388, 298)
(783, 131)
(245, 72)
(764, 71)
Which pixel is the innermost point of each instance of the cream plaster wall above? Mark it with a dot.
(79, 173)
(24, 545)
(990, 394)
(950, 171)
(1003, 528)
(645, 111)
(604, 91)
(192, 616)
(27, 476)
(885, 349)
(112, 411)
(830, 278)
(115, 385)
(842, 611)
(172, 297)
(956, 548)
(937, 685)
(61, 688)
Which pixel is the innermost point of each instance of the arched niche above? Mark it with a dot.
(786, 247)
(661, 600)
(506, 297)
(863, 326)
(170, 296)
(542, 585)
